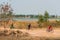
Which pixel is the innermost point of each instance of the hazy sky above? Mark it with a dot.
(34, 6)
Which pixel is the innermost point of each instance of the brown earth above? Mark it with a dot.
(32, 34)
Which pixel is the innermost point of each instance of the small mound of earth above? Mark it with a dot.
(14, 34)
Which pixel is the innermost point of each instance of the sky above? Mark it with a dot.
(34, 7)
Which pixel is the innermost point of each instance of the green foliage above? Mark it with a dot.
(41, 18)
(46, 16)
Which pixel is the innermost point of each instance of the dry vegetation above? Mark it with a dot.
(35, 24)
(16, 34)
(24, 24)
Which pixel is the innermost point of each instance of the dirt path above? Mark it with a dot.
(43, 32)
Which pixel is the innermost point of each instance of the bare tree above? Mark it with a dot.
(5, 13)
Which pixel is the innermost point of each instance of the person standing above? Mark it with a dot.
(12, 26)
(29, 26)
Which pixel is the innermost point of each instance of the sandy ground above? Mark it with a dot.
(43, 33)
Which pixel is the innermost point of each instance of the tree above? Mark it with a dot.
(46, 16)
(40, 20)
(9, 15)
(5, 13)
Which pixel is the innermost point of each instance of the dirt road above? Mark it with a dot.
(43, 32)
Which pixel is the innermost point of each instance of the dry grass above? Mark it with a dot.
(27, 34)
(24, 24)
(34, 24)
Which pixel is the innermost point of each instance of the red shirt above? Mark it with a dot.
(50, 27)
